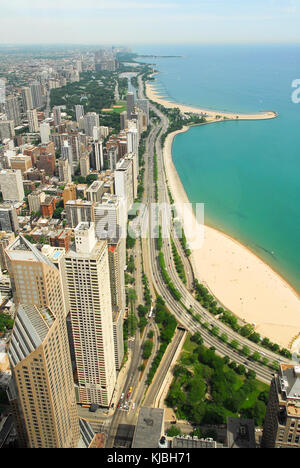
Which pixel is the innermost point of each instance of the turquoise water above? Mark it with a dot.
(247, 173)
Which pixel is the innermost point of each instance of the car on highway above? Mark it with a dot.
(122, 396)
(119, 404)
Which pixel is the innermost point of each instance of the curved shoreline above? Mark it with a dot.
(236, 275)
(211, 115)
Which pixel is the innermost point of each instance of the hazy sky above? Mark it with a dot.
(153, 21)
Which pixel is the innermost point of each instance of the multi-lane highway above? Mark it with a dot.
(147, 251)
(153, 272)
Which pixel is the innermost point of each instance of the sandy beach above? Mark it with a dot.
(239, 279)
(210, 115)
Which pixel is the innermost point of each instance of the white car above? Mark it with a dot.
(133, 406)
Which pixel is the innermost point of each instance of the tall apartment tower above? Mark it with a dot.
(36, 93)
(85, 165)
(7, 129)
(112, 157)
(45, 133)
(124, 181)
(11, 185)
(79, 111)
(130, 104)
(78, 211)
(96, 157)
(64, 171)
(42, 390)
(123, 120)
(33, 121)
(26, 98)
(12, 109)
(117, 262)
(143, 104)
(282, 421)
(87, 273)
(56, 115)
(8, 218)
(91, 120)
(67, 153)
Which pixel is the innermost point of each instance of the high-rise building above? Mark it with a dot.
(8, 218)
(112, 156)
(36, 93)
(124, 186)
(56, 115)
(110, 217)
(96, 157)
(45, 132)
(87, 273)
(46, 162)
(64, 171)
(76, 146)
(12, 110)
(67, 153)
(69, 193)
(123, 120)
(22, 162)
(133, 145)
(95, 191)
(26, 98)
(143, 104)
(6, 238)
(78, 211)
(42, 390)
(7, 129)
(282, 420)
(33, 121)
(117, 262)
(85, 165)
(130, 104)
(91, 120)
(35, 199)
(79, 111)
(11, 185)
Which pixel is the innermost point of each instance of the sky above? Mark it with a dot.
(122, 22)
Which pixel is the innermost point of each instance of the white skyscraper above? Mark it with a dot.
(11, 185)
(91, 120)
(124, 181)
(67, 153)
(45, 133)
(26, 98)
(33, 122)
(79, 111)
(88, 281)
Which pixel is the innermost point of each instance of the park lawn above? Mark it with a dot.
(189, 345)
(260, 387)
(121, 108)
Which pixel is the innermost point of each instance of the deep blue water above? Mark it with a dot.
(247, 173)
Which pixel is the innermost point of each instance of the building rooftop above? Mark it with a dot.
(240, 433)
(149, 428)
(289, 381)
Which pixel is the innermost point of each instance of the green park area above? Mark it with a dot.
(119, 107)
(207, 389)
